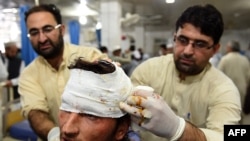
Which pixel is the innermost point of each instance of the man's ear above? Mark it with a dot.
(62, 29)
(122, 128)
(216, 48)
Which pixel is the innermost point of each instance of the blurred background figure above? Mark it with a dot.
(104, 49)
(237, 68)
(14, 65)
(163, 49)
(247, 52)
(3, 77)
(118, 56)
(144, 56)
(170, 47)
(3, 71)
(124, 59)
(215, 59)
(166, 49)
(135, 54)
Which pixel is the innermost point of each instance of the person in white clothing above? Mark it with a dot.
(237, 67)
(3, 71)
(14, 65)
(3, 77)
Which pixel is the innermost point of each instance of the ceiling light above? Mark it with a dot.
(83, 2)
(9, 10)
(170, 1)
(83, 20)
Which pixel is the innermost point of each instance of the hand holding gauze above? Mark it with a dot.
(152, 113)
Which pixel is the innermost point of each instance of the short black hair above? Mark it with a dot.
(235, 45)
(207, 18)
(103, 49)
(163, 46)
(132, 47)
(51, 8)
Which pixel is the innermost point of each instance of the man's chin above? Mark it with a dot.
(186, 69)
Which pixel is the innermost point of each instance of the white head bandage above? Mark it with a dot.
(96, 94)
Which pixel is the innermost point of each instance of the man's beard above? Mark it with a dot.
(57, 48)
(11, 57)
(187, 69)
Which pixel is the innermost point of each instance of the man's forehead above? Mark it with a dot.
(192, 32)
(40, 19)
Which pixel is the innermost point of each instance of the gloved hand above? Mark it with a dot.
(152, 113)
(54, 134)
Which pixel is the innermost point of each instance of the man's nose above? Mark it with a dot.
(70, 128)
(42, 37)
(189, 49)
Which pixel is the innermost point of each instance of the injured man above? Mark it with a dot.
(90, 103)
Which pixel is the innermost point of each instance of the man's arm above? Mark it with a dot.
(40, 123)
(192, 133)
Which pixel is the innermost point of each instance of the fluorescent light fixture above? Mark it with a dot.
(83, 2)
(170, 1)
(85, 10)
(9, 10)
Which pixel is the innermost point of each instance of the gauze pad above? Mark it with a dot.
(96, 94)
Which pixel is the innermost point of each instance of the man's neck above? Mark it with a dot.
(55, 62)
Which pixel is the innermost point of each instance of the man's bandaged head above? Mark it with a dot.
(91, 90)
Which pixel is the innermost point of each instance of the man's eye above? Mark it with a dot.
(47, 29)
(183, 40)
(91, 117)
(200, 44)
(33, 32)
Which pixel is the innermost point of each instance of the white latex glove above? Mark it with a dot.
(152, 113)
(54, 134)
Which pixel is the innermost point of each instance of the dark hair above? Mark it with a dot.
(51, 8)
(207, 18)
(235, 46)
(163, 46)
(103, 49)
(132, 48)
(99, 67)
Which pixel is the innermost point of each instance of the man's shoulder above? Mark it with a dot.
(89, 52)
(35, 64)
(217, 77)
(165, 59)
(80, 47)
(156, 64)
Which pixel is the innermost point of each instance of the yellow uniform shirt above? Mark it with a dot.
(208, 100)
(41, 86)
